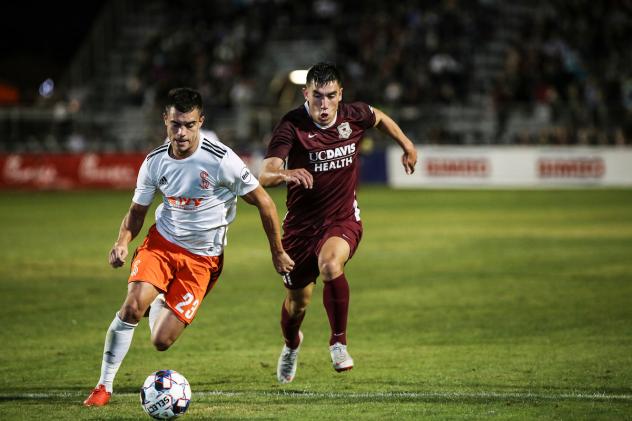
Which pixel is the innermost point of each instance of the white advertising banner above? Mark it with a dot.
(513, 166)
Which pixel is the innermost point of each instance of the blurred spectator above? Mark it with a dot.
(564, 79)
(570, 58)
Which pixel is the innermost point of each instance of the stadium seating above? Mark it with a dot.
(451, 72)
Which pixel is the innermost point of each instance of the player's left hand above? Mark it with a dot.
(409, 160)
(283, 263)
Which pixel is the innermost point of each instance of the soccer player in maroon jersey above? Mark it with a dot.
(315, 151)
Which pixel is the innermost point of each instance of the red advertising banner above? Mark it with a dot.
(514, 166)
(69, 171)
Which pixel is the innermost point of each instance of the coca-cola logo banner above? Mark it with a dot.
(69, 171)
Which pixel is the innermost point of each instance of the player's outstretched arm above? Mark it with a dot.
(130, 227)
(272, 174)
(387, 125)
(269, 218)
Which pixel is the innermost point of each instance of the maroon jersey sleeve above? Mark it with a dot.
(362, 114)
(282, 139)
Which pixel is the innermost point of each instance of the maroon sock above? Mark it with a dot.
(336, 302)
(290, 327)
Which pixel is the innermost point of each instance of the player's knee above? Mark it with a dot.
(161, 343)
(131, 312)
(330, 270)
(297, 308)
(162, 346)
(296, 305)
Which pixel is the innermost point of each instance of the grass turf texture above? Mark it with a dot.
(464, 304)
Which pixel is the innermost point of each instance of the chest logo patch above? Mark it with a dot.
(205, 181)
(344, 130)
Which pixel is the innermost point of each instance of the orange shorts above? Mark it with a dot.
(184, 277)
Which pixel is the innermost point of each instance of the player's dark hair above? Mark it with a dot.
(322, 74)
(184, 100)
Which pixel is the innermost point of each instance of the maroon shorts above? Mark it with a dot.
(304, 250)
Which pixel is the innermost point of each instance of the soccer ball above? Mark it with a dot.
(166, 394)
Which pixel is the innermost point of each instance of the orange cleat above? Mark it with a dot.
(98, 397)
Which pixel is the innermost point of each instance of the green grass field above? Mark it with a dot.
(464, 305)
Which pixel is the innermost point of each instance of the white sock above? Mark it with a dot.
(154, 310)
(117, 343)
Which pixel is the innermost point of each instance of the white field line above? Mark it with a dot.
(407, 396)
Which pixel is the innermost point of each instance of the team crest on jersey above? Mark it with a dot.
(344, 130)
(205, 183)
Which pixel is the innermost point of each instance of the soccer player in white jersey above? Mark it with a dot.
(182, 255)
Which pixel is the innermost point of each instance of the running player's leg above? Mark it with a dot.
(292, 315)
(299, 284)
(154, 310)
(338, 246)
(195, 276)
(119, 338)
(167, 329)
(331, 261)
(150, 274)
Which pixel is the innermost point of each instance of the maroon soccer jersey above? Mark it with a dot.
(331, 156)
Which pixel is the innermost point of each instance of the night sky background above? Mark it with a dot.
(39, 39)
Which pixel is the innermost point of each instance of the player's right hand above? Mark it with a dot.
(117, 255)
(299, 176)
(283, 263)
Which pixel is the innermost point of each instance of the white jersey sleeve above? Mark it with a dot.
(235, 175)
(145, 186)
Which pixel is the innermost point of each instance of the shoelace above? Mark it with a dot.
(287, 359)
(340, 354)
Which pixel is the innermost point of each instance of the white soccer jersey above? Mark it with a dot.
(199, 194)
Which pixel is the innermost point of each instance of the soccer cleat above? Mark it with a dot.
(340, 358)
(286, 368)
(98, 397)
